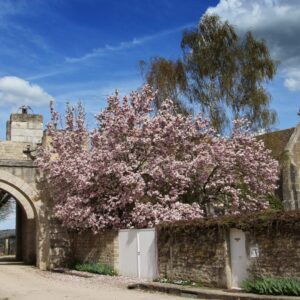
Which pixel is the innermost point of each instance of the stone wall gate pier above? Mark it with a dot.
(19, 180)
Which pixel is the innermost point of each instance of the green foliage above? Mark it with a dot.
(268, 222)
(169, 78)
(273, 286)
(274, 202)
(225, 73)
(96, 268)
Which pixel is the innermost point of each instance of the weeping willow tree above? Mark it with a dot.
(169, 78)
(222, 71)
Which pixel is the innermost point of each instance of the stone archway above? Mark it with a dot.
(27, 215)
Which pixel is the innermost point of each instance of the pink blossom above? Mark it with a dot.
(137, 169)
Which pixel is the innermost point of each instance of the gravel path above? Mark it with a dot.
(24, 282)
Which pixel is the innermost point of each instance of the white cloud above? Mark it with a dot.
(98, 52)
(258, 14)
(292, 84)
(292, 81)
(98, 92)
(60, 69)
(15, 91)
(276, 21)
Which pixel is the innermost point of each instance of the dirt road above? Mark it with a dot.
(19, 282)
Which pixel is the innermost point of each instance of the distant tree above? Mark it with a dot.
(223, 72)
(6, 205)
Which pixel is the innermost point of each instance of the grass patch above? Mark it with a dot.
(273, 286)
(96, 268)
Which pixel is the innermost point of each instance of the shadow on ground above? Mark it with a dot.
(9, 260)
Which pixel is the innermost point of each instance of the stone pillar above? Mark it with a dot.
(6, 247)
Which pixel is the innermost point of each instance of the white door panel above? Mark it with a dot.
(138, 253)
(148, 259)
(239, 259)
(128, 253)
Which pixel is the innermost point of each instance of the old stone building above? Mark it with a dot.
(36, 229)
(285, 147)
(291, 171)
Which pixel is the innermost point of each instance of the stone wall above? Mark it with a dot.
(16, 162)
(199, 257)
(13, 150)
(203, 256)
(279, 253)
(102, 247)
(25, 128)
(60, 245)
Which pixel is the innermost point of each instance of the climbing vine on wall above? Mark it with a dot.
(268, 222)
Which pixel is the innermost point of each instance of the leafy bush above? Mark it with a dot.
(273, 286)
(274, 202)
(96, 268)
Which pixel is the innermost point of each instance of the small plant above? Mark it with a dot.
(274, 202)
(96, 268)
(273, 286)
(179, 282)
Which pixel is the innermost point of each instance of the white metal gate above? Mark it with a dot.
(138, 253)
(239, 259)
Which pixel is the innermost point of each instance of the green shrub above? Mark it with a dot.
(274, 202)
(96, 268)
(273, 286)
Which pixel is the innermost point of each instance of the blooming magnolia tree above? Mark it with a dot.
(138, 169)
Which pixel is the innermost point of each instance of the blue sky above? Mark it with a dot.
(10, 221)
(85, 49)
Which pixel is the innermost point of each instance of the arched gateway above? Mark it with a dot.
(40, 239)
(27, 217)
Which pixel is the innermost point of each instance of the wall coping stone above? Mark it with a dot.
(17, 163)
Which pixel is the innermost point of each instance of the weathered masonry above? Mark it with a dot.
(19, 179)
(285, 147)
(291, 171)
(218, 256)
